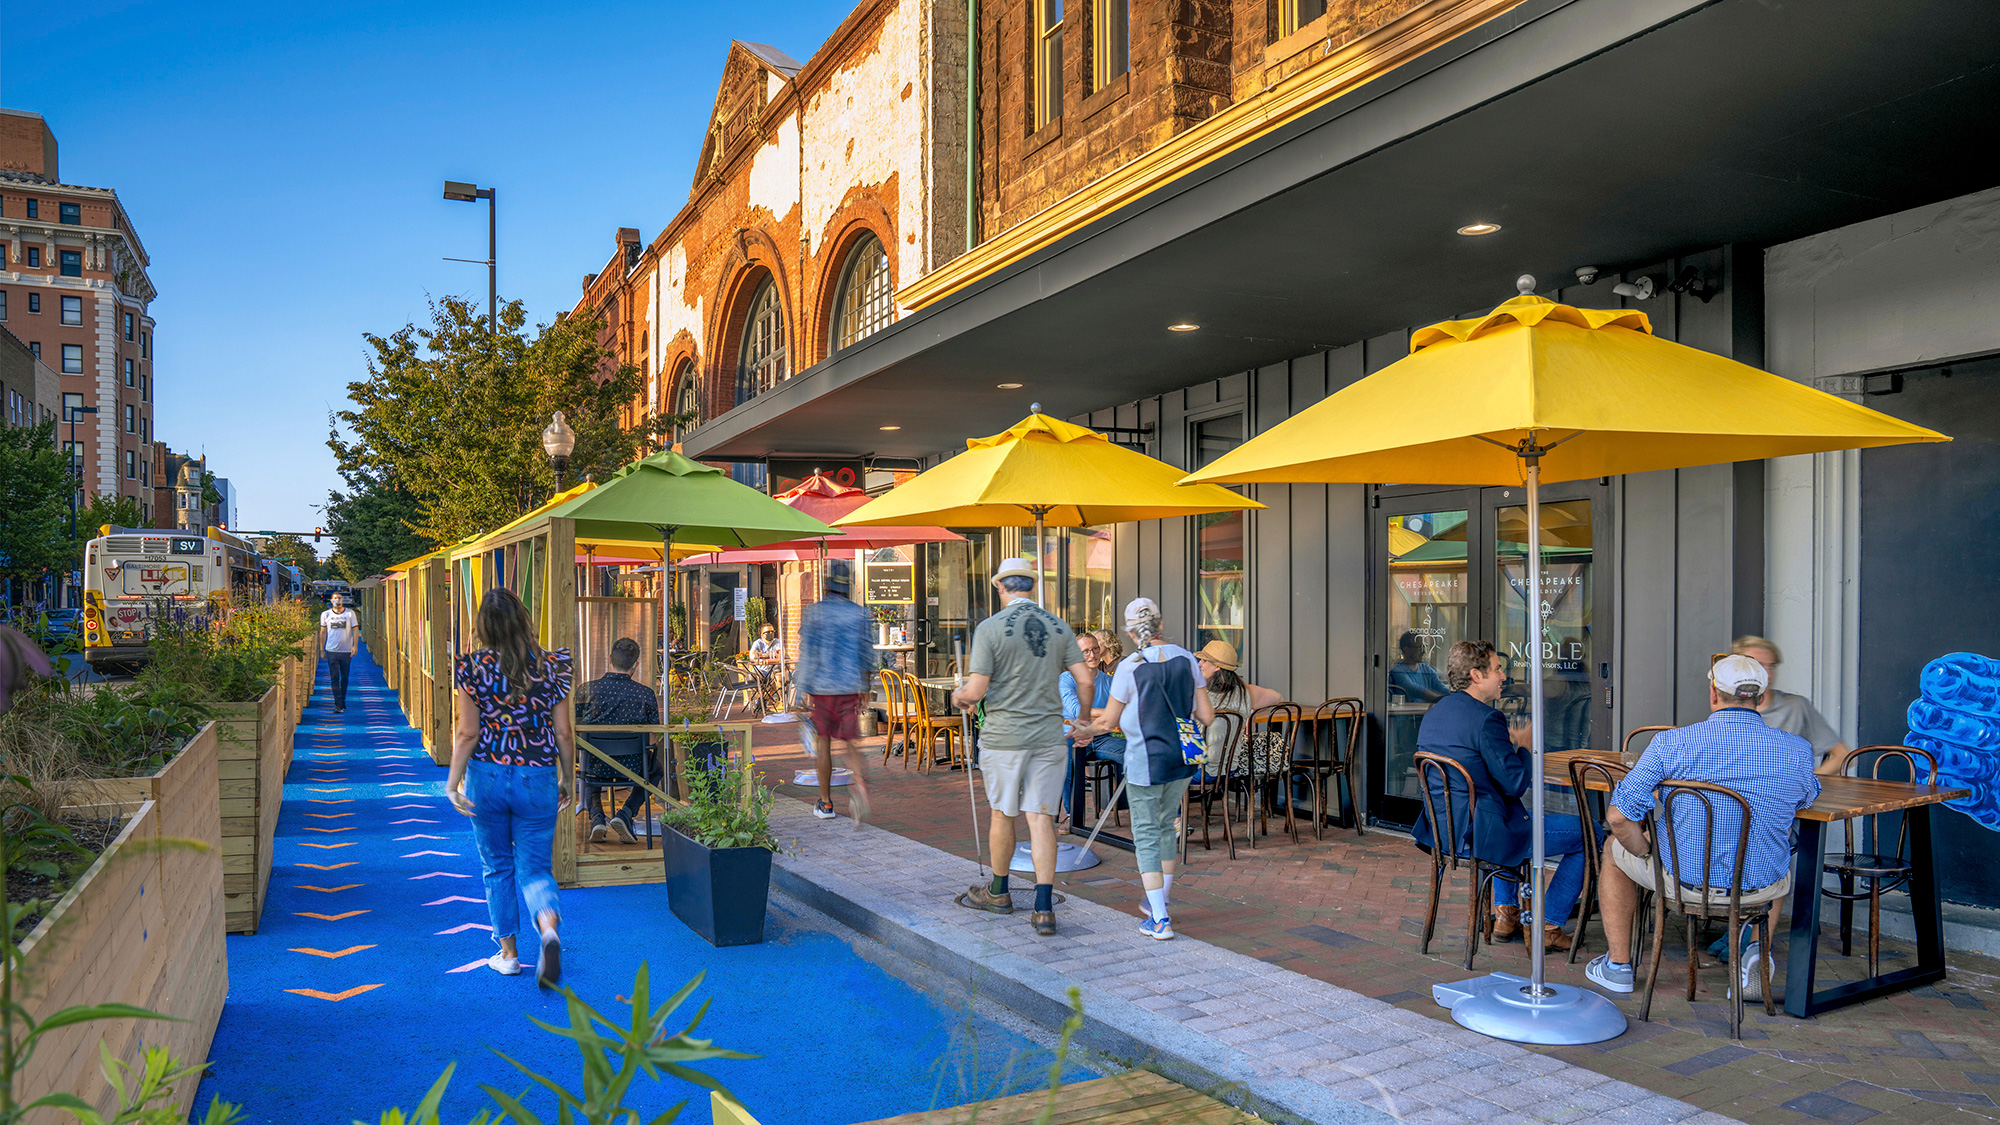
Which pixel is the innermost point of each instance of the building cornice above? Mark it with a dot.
(18, 181)
(1341, 71)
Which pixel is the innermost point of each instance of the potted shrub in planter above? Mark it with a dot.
(717, 850)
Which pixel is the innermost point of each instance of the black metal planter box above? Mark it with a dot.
(719, 892)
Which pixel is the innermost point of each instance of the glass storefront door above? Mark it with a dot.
(1452, 565)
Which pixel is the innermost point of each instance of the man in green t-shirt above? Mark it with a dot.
(1018, 654)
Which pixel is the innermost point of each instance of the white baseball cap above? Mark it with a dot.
(1739, 677)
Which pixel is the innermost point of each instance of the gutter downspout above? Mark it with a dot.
(971, 124)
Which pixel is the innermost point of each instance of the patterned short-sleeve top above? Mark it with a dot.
(515, 733)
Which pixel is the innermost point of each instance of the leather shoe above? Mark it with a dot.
(1044, 922)
(1554, 940)
(1506, 925)
(981, 897)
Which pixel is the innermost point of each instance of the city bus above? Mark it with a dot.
(131, 575)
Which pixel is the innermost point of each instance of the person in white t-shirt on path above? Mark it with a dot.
(339, 637)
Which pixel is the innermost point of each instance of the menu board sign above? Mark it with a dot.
(892, 583)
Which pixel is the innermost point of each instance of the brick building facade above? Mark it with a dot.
(74, 286)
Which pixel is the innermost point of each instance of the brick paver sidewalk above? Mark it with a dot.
(1348, 911)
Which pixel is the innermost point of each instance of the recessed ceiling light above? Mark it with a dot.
(1010, 386)
(888, 427)
(1183, 326)
(1476, 229)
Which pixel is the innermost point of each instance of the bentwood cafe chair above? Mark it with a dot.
(1441, 781)
(1882, 870)
(1687, 886)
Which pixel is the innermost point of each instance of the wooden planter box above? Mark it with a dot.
(142, 926)
(252, 757)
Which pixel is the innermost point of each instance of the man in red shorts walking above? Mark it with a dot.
(836, 668)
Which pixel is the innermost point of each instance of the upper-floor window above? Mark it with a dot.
(1110, 41)
(72, 359)
(34, 257)
(72, 311)
(131, 465)
(34, 209)
(35, 346)
(72, 263)
(1047, 62)
(145, 345)
(34, 302)
(131, 419)
(761, 361)
(683, 403)
(71, 214)
(3, 304)
(863, 303)
(130, 379)
(1295, 14)
(128, 327)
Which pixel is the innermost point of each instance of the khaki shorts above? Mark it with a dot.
(1019, 781)
(1639, 869)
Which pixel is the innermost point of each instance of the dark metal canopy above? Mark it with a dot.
(1596, 132)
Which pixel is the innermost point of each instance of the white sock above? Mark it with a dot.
(1147, 905)
(1156, 903)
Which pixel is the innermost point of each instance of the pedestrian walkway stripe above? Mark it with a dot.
(455, 898)
(442, 875)
(464, 926)
(342, 844)
(336, 953)
(329, 866)
(413, 855)
(418, 836)
(329, 890)
(329, 917)
(336, 997)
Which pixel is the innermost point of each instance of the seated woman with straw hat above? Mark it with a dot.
(1228, 691)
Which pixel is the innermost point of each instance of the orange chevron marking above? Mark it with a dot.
(328, 917)
(324, 953)
(329, 815)
(343, 844)
(328, 890)
(309, 789)
(325, 801)
(329, 866)
(333, 996)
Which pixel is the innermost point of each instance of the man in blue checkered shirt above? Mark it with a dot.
(1773, 771)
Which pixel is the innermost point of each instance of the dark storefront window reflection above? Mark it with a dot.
(1426, 616)
(1221, 599)
(1564, 606)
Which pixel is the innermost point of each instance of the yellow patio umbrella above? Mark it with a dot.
(1537, 391)
(1044, 472)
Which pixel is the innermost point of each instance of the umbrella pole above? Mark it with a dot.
(666, 647)
(1536, 717)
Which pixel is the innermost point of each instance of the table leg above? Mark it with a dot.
(1802, 959)
(1926, 908)
(1079, 756)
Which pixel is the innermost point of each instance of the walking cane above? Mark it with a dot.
(1104, 814)
(965, 748)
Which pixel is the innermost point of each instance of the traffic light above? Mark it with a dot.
(317, 532)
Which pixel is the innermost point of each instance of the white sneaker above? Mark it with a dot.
(598, 833)
(504, 965)
(621, 831)
(1750, 971)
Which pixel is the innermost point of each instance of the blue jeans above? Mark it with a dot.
(336, 676)
(514, 824)
(1561, 836)
(1105, 748)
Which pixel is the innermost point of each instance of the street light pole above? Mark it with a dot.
(467, 193)
(75, 486)
(558, 440)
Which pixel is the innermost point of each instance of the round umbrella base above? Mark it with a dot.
(841, 776)
(1498, 1005)
(1069, 857)
(780, 717)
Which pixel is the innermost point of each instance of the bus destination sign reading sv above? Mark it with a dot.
(188, 545)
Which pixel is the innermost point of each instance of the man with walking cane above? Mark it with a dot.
(1017, 656)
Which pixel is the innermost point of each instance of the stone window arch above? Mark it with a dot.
(863, 301)
(684, 401)
(762, 361)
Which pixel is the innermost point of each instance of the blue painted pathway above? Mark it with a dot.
(367, 974)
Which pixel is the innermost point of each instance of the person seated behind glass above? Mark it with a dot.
(1794, 714)
(1227, 691)
(1410, 677)
(1466, 727)
(766, 654)
(615, 699)
(1101, 650)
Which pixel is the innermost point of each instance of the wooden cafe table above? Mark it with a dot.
(1840, 798)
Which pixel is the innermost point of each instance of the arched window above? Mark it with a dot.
(760, 363)
(684, 404)
(863, 304)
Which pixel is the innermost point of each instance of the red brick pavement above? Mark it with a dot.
(1349, 911)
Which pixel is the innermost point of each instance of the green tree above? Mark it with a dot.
(453, 416)
(372, 525)
(35, 484)
(293, 551)
(117, 511)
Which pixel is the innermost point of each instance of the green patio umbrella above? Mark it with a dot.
(664, 497)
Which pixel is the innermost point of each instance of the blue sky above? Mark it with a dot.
(283, 166)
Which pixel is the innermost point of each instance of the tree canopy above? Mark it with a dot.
(35, 485)
(444, 435)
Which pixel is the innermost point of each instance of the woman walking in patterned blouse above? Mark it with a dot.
(511, 753)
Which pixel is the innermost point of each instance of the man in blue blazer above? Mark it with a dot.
(1466, 727)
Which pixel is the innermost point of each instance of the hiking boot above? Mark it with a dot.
(1506, 924)
(981, 897)
(1554, 940)
(1044, 922)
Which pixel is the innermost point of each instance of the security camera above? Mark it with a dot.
(1640, 290)
(1587, 275)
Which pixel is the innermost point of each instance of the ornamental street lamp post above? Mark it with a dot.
(558, 440)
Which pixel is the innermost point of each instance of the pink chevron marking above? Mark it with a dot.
(413, 820)
(461, 928)
(393, 784)
(414, 855)
(393, 808)
(468, 967)
(442, 875)
(454, 898)
(418, 836)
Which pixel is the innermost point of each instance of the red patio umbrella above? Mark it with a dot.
(826, 501)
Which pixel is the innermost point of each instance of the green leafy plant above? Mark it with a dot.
(677, 621)
(613, 1059)
(716, 812)
(757, 613)
(230, 656)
